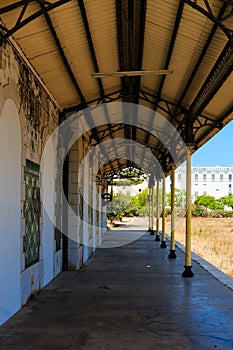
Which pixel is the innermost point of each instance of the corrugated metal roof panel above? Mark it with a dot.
(191, 37)
(160, 17)
(207, 64)
(57, 80)
(225, 95)
(71, 32)
(102, 23)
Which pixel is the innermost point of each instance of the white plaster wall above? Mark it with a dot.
(10, 192)
(57, 262)
(48, 196)
(30, 281)
(104, 230)
(74, 255)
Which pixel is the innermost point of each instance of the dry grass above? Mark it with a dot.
(212, 239)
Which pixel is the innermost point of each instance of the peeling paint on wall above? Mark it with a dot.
(35, 107)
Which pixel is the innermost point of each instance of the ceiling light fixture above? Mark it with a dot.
(133, 73)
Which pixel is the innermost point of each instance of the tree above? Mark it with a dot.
(227, 200)
(179, 198)
(119, 205)
(142, 198)
(208, 202)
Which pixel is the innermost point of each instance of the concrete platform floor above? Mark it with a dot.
(126, 298)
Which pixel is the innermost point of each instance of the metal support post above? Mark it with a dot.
(157, 238)
(172, 254)
(112, 204)
(163, 243)
(149, 207)
(151, 204)
(152, 211)
(188, 262)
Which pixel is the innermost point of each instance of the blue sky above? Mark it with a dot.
(218, 150)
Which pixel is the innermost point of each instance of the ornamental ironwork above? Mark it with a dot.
(32, 213)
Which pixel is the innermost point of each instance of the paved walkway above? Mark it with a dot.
(126, 298)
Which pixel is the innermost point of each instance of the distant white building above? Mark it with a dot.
(214, 181)
(133, 190)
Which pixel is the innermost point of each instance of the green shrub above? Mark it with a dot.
(199, 211)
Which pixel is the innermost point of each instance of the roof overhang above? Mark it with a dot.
(67, 42)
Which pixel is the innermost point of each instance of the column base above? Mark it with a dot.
(187, 271)
(172, 254)
(157, 238)
(152, 232)
(163, 244)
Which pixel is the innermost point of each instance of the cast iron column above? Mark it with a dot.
(157, 237)
(172, 254)
(188, 262)
(152, 211)
(163, 243)
(151, 203)
(149, 209)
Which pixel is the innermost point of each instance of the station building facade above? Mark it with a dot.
(32, 248)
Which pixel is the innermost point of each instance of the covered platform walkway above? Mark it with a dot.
(129, 297)
(92, 92)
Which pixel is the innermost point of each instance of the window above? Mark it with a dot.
(195, 194)
(213, 177)
(196, 177)
(179, 177)
(221, 177)
(230, 177)
(204, 193)
(229, 185)
(204, 177)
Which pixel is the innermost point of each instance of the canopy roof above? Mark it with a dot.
(66, 41)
